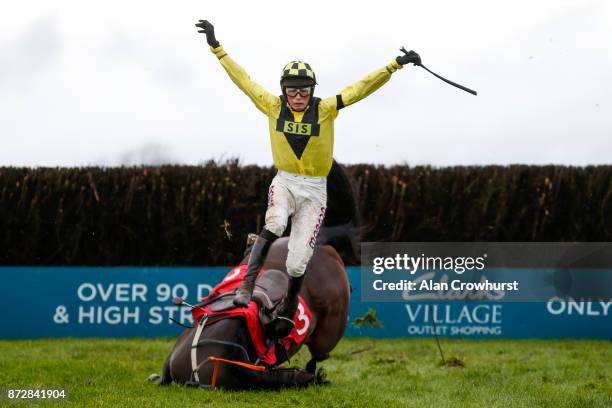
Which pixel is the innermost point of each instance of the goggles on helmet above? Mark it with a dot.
(295, 91)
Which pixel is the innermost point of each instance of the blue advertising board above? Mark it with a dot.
(137, 301)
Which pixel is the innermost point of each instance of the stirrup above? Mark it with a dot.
(285, 320)
(283, 326)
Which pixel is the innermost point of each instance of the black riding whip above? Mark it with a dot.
(442, 78)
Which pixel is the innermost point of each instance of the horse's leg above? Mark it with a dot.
(328, 334)
(177, 366)
(166, 378)
(330, 300)
(311, 366)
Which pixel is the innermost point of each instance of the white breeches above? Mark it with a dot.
(303, 199)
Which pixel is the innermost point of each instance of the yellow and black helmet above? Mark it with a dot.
(298, 73)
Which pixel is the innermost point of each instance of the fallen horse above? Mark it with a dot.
(235, 348)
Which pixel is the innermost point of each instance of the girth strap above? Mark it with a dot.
(194, 347)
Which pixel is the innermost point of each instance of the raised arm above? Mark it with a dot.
(360, 89)
(263, 100)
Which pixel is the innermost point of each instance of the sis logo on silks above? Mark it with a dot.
(135, 301)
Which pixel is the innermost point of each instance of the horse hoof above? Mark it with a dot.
(155, 379)
(311, 366)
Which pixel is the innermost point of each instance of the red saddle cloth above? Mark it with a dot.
(302, 318)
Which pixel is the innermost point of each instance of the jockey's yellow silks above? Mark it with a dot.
(303, 142)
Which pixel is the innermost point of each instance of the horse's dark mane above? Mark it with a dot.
(341, 225)
(341, 198)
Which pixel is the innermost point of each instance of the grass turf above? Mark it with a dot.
(363, 373)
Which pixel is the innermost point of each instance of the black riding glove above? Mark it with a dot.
(209, 30)
(409, 57)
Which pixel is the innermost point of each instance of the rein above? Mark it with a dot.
(200, 305)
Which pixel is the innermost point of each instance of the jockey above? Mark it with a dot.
(302, 138)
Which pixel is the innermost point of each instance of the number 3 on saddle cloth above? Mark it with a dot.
(251, 314)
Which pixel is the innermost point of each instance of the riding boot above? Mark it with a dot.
(284, 324)
(256, 261)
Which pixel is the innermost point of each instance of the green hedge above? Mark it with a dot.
(185, 215)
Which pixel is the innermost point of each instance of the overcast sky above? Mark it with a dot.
(129, 82)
